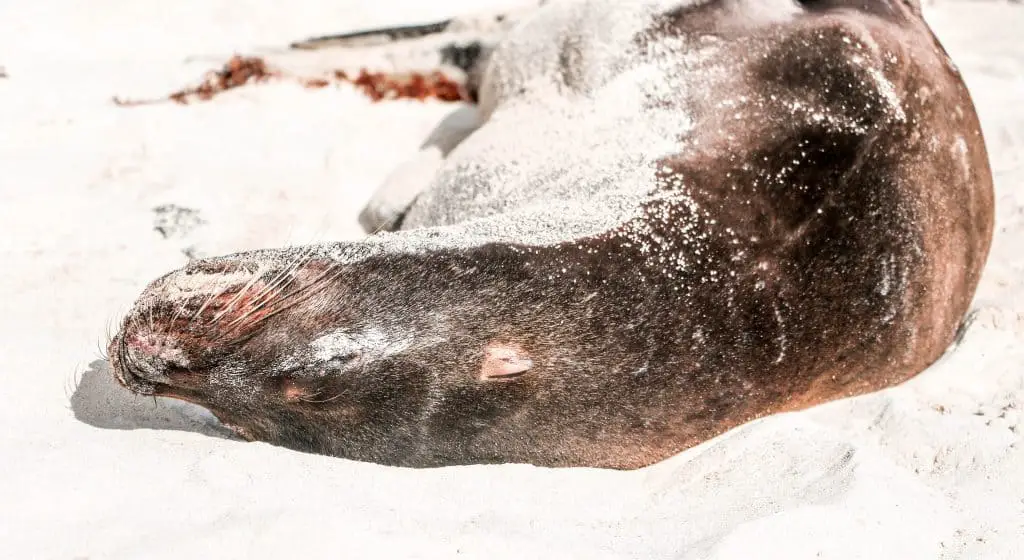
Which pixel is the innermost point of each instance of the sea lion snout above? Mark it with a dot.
(182, 316)
(145, 357)
(217, 320)
(152, 355)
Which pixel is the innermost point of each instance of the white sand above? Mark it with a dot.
(931, 469)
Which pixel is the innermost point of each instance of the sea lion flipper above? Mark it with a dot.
(453, 46)
(456, 45)
(482, 22)
(386, 208)
(367, 37)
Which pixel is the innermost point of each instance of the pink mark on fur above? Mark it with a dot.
(504, 361)
(155, 345)
(148, 344)
(293, 391)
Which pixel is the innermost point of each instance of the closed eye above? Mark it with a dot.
(321, 369)
(343, 361)
(292, 371)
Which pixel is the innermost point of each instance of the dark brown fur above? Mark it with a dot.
(839, 257)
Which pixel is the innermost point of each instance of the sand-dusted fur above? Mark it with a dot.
(674, 217)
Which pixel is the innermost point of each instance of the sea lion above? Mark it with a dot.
(676, 217)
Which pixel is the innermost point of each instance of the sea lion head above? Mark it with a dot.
(304, 352)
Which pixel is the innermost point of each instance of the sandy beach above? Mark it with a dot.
(98, 200)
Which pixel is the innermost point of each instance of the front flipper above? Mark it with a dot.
(458, 47)
(372, 37)
(393, 198)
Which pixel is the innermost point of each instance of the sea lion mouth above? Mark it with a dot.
(134, 383)
(135, 379)
(129, 378)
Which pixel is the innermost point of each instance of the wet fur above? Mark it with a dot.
(837, 256)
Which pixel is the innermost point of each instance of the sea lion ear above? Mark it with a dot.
(504, 361)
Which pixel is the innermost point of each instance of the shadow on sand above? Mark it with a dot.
(100, 401)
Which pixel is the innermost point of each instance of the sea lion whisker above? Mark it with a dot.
(315, 282)
(286, 272)
(102, 350)
(296, 297)
(213, 297)
(322, 401)
(283, 277)
(272, 290)
(291, 265)
(76, 380)
(254, 308)
(229, 306)
(242, 339)
(136, 323)
(286, 302)
(179, 311)
(108, 331)
(249, 312)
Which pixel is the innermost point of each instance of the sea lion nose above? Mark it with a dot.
(148, 355)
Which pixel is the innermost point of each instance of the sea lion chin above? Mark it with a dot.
(673, 219)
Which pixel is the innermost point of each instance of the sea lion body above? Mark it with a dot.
(674, 218)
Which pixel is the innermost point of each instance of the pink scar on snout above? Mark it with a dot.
(504, 361)
(156, 345)
(146, 344)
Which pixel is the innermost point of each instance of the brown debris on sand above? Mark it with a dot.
(378, 86)
(237, 72)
